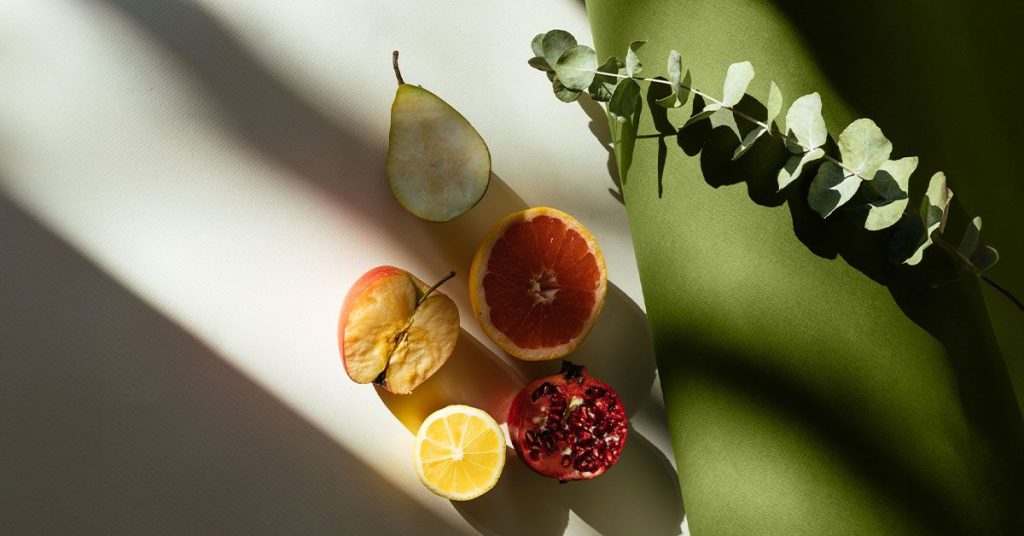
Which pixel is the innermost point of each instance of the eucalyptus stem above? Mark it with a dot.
(767, 128)
(942, 243)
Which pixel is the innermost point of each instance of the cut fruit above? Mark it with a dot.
(437, 165)
(460, 452)
(396, 330)
(569, 426)
(538, 283)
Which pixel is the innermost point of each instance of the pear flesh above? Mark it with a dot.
(438, 166)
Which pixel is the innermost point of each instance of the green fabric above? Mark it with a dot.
(804, 397)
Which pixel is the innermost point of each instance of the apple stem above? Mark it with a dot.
(398, 72)
(433, 288)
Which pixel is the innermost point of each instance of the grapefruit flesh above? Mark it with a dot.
(540, 282)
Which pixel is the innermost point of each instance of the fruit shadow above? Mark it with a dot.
(642, 485)
(639, 495)
(618, 349)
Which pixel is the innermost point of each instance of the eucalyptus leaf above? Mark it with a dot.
(624, 119)
(774, 103)
(576, 66)
(795, 166)
(805, 123)
(707, 112)
(680, 94)
(623, 103)
(831, 188)
(935, 205)
(909, 241)
(972, 238)
(888, 193)
(726, 118)
(539, 63)
(555, 43)
(538, 45)
(974, 251)
(563, 93)
(934, 208)
(737, 78)
(674, 68)
(603, 86)
(633, 65)
(864, 148)
(748, 142)
(984, 258)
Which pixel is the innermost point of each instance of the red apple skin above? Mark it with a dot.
(357, 290)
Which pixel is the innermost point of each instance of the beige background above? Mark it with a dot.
(186, 192)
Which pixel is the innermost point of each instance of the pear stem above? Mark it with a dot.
(398, 72)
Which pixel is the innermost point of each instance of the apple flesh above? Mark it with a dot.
(394, 330)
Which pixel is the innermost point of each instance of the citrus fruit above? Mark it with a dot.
(537, 283)
(460, 451)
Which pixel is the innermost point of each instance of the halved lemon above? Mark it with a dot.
(460, 452)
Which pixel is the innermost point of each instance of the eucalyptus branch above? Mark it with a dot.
(768, 129)
(862, 165)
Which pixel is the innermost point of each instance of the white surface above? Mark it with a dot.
(187, 191)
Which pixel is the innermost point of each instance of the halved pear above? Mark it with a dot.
(395, 330)
(438, 166)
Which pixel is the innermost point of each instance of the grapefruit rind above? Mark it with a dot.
(478, 300)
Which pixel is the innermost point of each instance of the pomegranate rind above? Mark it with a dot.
(478, 298)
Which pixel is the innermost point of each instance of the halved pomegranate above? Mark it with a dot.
(569, 425)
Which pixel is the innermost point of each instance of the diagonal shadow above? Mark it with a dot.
(116, 421)
(934, 295)
(952, 314)
(263, 111)
(936, 54)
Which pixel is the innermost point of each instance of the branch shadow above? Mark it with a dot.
(935, 295)
(263, 111)
(935, 55)
(119, 421)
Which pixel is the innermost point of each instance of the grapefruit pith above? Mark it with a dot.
(537, 283)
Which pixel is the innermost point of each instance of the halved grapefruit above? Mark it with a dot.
(537, 283)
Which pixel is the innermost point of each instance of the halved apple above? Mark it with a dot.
(396, 330)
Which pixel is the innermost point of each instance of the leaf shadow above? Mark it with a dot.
(599, 128)
(662, 124)
(840, 235)
(935, 295)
